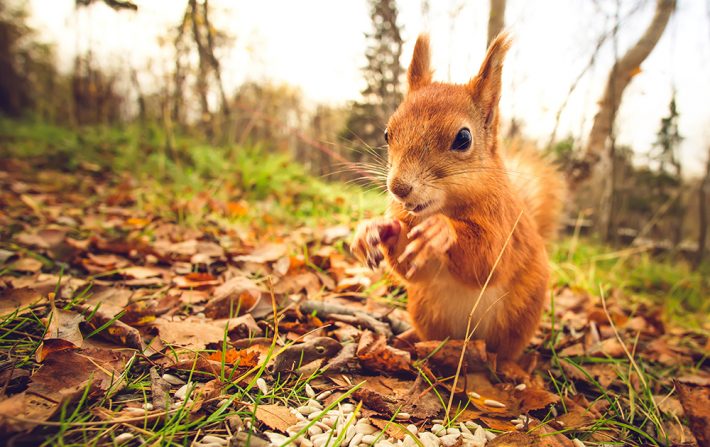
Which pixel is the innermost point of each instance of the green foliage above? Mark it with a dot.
(643, 279)
(274, 187)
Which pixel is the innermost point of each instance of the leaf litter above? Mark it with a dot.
(229, 321)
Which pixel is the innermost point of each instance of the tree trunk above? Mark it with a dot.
(496, 20)
(703, 214)
(202, 68)
(217, 70)
(178, 98)
(619, 78)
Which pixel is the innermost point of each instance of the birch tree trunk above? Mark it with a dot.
(619, 78)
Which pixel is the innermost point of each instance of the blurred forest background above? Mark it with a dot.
(641, 197)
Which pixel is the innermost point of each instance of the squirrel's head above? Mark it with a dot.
(442, 140)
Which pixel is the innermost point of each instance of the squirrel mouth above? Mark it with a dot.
(419, 208)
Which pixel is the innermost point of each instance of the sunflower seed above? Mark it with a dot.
(356, 440)
(438, 429)
(261, 383)
(493, 403)
(214, 440)
(314, 430)
(307, 410)
(449, 440)
(368, 439)
(323, 395)
(123, 437)
(173, 380)
(276, 438)
(429, 438)
(365, 429)
(521, 387)
(309, 391)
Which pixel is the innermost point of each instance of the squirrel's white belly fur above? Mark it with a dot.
(459, 299)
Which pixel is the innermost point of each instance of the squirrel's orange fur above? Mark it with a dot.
(451, 211)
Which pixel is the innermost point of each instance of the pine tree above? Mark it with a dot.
(382, 94)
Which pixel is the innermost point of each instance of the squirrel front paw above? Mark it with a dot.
(430, 239)
(370, 235)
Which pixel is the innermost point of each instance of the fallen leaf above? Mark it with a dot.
(27, 264)
(387, 395)
(138, 272)
(63, 377)
(236, 296)
(160, 390)
(303, 353)
(696, 403)
(62, 332)
(266, 253)
(240, 358)
(195, 280)
(276, 417)
(444, 355)
(376, 355)
(14, 299)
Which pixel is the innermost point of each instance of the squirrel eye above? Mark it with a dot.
(462, 141)
(387, 136)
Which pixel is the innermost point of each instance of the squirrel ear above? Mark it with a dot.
(486, 85)
(419, 72)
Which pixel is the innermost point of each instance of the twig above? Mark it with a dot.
(373, 322)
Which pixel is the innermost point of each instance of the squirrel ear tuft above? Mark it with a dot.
(485, 87)
(419, 72)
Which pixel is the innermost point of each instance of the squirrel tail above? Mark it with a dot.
(537, 181)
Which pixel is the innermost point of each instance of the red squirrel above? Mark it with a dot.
(454, 199)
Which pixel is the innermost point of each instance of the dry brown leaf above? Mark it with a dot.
(377, 356)
(276, 417)
(386, 395)
(27, 264)
(444, 356)
(242, 357)
(305, 281)
(13, 299)
(696, 403)
(63, 376)
(534, 399)
(62, 332)
(237, 296)
(265, 253)
(44, 238)
(303, 353)
(195, 280)
(160, 391)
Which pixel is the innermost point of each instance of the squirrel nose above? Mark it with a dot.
(400, 189)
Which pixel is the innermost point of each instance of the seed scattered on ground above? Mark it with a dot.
(124, 437)
(173, 380)
(493, 403)
(309, 391)
(261, 384)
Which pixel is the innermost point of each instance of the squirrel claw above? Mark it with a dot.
(370, 236)
(430, 239)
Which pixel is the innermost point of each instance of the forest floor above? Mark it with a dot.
(207, 298)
